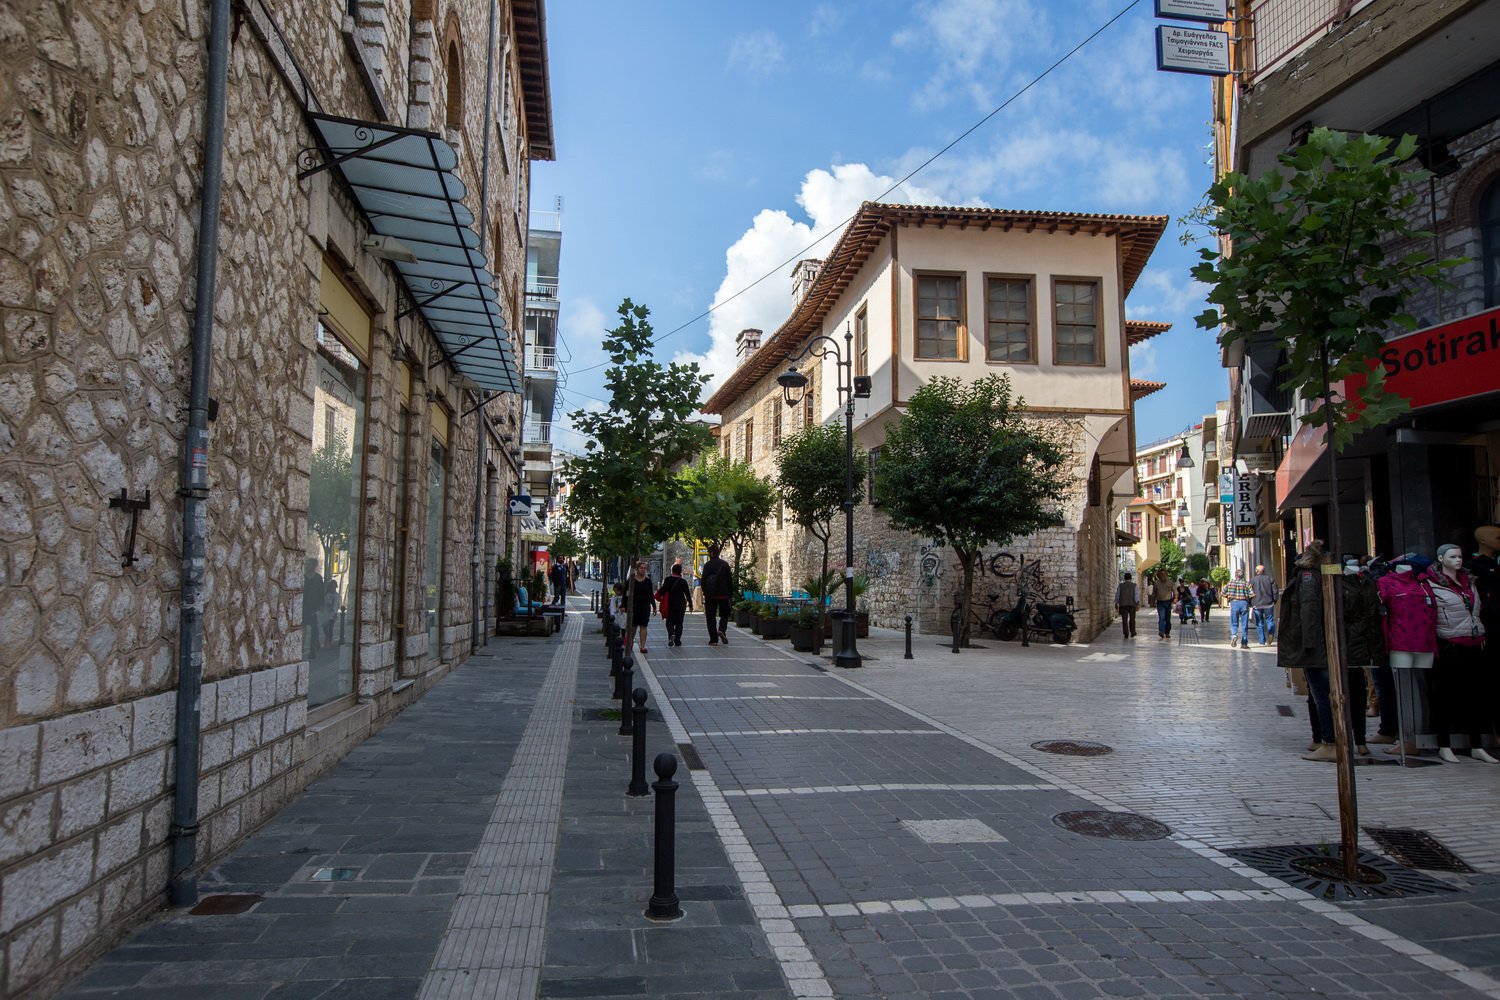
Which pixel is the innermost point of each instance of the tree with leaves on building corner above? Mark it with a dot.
(1305, 260)
(967, 466)
(810, 472)
(729, 503)
(626, 491)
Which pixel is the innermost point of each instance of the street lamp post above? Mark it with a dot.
(850, 388)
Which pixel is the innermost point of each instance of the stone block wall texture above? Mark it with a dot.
(100, 172)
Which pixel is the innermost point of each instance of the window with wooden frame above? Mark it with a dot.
(775, 422)
(1010, 319)
(862, 341)
(808, 409)
(1076, 321)
(940, 319)
(749, 438)
(453, 104)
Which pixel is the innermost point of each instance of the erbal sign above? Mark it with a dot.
(1445, 363)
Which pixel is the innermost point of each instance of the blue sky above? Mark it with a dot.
(701, 145)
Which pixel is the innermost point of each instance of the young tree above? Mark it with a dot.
(729, 502)
(810, 473)
(1197, 567)
(1308, 266)
(1171, 559)
(965, 466)
(625, 490)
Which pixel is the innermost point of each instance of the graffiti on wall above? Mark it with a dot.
(930, 564)
(1015, 573)
(881, 564)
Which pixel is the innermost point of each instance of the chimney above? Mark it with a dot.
(746, 344)
(803, 276)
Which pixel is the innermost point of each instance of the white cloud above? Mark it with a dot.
(774, 242)
(759, 53)
(972, 44)
(1166, 294)
(826, 19)
(1143, 361)
(582, 325)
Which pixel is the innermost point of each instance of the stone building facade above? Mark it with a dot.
(962, 292)
(355, 487)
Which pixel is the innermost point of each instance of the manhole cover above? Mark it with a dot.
(1113, 825)
(1417, 849)
(225, 903)
(1317, 869)
(1073, 748)
(690, 756)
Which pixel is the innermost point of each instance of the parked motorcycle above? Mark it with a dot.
(1055, 620)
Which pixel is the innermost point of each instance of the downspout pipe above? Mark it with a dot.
(481, 428)
(182, 888)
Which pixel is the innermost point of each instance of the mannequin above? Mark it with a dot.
(1460, 675)
(1410, 622)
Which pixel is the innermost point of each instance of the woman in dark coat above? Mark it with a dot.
(641, 594)
(679, 600)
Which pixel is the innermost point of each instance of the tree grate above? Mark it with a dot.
(1416, 849)
(1073, 748)
(1112, 825)
(690, 757)
(1317, 869)
(225, 904)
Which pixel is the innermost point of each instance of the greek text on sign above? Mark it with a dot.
(1226, 487)
(1192, 50)
(1244, 502)
(1209, 11)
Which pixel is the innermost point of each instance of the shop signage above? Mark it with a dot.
(1209, 11)
(1226, 487)
(1244, 505)
(1442, 364)
(1192, 50)
(520, 505)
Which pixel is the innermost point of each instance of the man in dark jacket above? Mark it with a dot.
(717, 581)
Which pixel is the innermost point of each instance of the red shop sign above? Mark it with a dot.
(1442, 364)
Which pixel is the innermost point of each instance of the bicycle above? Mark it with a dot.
(982, 616)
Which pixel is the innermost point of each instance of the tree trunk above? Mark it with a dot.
(965, 560)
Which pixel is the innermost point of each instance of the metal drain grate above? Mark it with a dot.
(1316, 868)
(225, 904)
(1417, 849)
(1073, 748)
(690, 756)
(1284, 710)
(1112, 825)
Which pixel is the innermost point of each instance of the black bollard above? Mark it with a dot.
(616, 654)
(664, 904)
(638, 784)
(908, 638)
(626, 726)
(622, 679)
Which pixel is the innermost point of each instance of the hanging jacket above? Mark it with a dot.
(1410, 617)
(1458, 607)
(1364, 638)
(1484, 571)
(1300, 638)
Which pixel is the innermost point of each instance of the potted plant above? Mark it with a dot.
(757, 616)
(742, 611)
(804, 633)
(774, 626)
(861, 611)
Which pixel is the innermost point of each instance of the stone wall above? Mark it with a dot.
(100, 168)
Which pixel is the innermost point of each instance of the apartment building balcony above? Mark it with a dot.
(536, 433)
(541, 292)
(541, 362)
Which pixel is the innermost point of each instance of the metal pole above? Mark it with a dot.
(908, 638)
(182, 888)
(627, 726)
(664, 904)
(847, 655)
(638, 784)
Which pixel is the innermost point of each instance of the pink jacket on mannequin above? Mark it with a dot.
(1410, 615)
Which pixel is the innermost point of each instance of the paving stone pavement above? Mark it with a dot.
(887, 832)
(1026, 909)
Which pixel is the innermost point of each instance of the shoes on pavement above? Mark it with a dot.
(645, 650)
(713, 642)
(1325, 752)
(1233, 642)
(1409, 748)
(1313, 745)
(1362, 750)
(724, 636)
(1381, 738)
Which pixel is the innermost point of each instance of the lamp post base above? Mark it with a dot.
(847, 656)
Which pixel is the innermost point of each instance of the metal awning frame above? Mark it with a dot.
(404, 184)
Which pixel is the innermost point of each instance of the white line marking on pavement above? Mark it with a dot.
(784, 675)
(777, 697)
(819, 732)
(492, 946)
(803, 972)
(885, 787)
(979, 901)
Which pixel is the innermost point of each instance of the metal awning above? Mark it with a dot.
(404, 182)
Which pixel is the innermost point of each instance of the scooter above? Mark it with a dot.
(1054, 619)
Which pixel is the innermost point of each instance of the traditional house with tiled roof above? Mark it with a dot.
(964, 292)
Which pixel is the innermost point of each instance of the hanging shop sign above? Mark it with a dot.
(1442, 364)
(1207, 11)
(1192, 50)
(520, 505)
(1226, 487)
(1244, 507)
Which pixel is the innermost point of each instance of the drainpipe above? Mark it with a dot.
(476, 629)
(182, 889)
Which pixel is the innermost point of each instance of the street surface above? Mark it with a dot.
(887, 832)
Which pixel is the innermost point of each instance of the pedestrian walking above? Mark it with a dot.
(1186, 605)
(717, 580)
(677, 599)
(1205, 597)
(1162, 594)
(558, 576)
(1127, 599)
(1263, 603)
(642, 602)
(1240, 594)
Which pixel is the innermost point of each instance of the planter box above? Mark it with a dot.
(775, 628)
(755, 621)
(862, 625)
(806, 639)
(742, 618)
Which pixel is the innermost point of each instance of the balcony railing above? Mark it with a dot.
(1281, 27)
(541, 358)
(537, 432)
(541, 287)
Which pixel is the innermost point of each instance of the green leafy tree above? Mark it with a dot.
(1307, 266)
(1197, 566)
(1218, 576)
(1172, 559)
(810, 472)
(625, 489)
(330, 494)
(566, 543)
(729, 502)
(966, 466)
